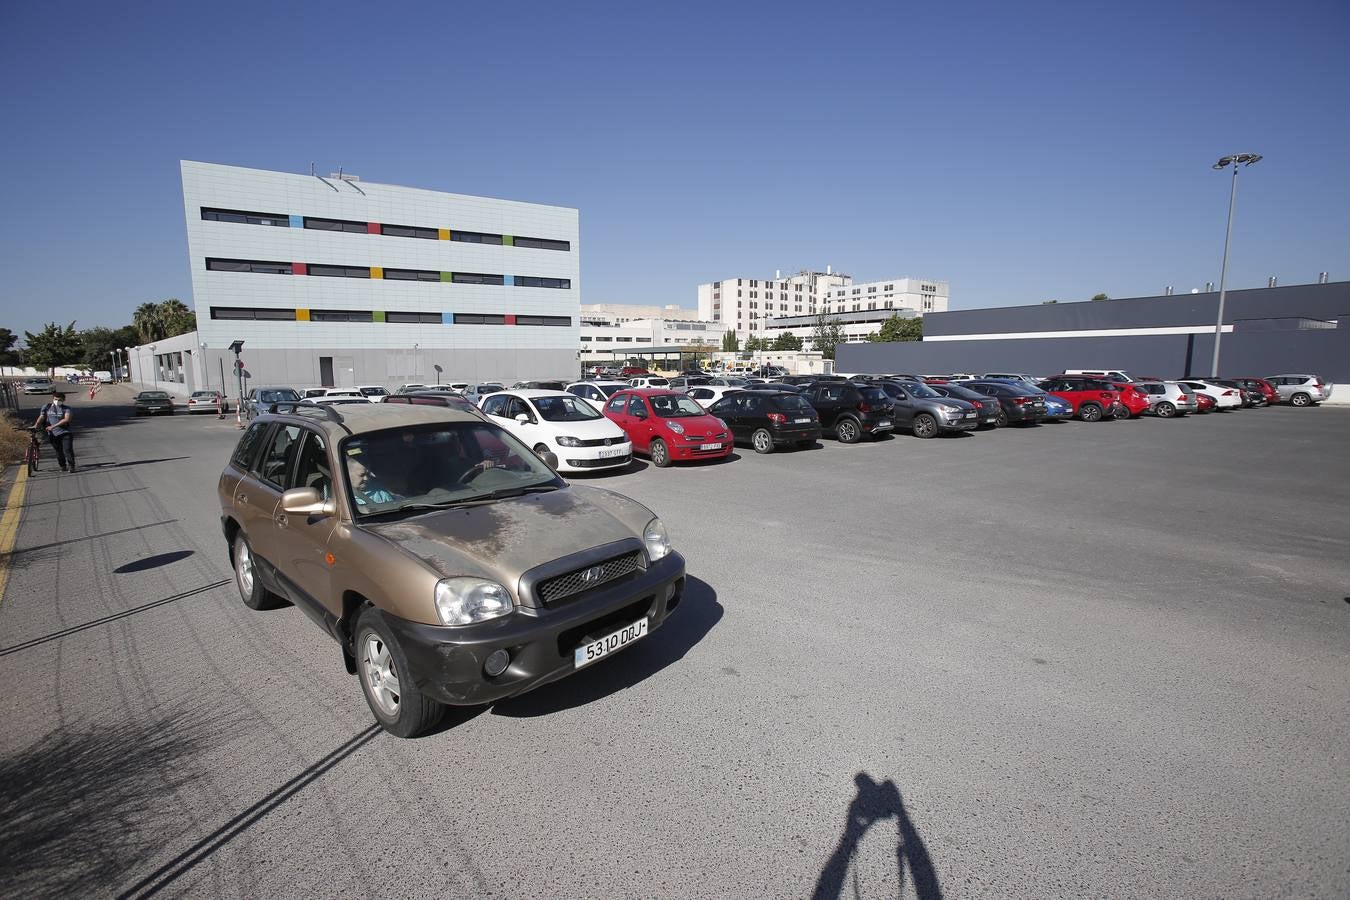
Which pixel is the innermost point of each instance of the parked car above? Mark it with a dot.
(102, 376)
(1133, 402)
(633, 372)
(668, 426)
(1092, 400)
(38, 385)
(1225, 398)
(334, 400)
(1260, 384)
(152, 403)
(313, 392)
(649, 381)
(1203, 402)
(475, 393)
(563, 424)
(372, 392)
(258, 399)
(596, 393)
(925, 412)
(769, 419)
(205, 401)
(345, 392)
(404, 388)
(1010, 376)
(685, 382)
(1300, 390)
(1251, 397)
(705, 395)
(1016, 404)
(1167, 399)
(433, 398)
(449, 580)
(1057, 409)
(1103, 374)
(850, 411)
(728, 381)
(988, 411)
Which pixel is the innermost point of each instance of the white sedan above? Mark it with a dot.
(1224, 397)
(597, 393)
(562, 424)
(705, 395)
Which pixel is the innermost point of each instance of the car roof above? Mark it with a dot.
(654, 392)
(360, 418)
(535, 393)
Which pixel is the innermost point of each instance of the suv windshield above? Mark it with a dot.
(440, 465)
(565, 409)
(918, 389)
(284, 395)
(675, 406)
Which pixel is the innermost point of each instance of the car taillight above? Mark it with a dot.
(1021, 400)
(864, 407)
(1228, 393)
(778, 418)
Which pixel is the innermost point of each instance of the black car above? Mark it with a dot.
(850, 410)
(989, 412)
(1017, 404)
(925, 412)
(151, 403)
(774, 386)
(1251, 395)
(768, 419)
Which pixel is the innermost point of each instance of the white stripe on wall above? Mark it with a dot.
(1097, 332)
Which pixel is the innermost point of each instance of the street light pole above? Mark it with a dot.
(1236, 160)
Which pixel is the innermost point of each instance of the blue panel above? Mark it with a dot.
(506, 279)
(297, 222)
(447, 318)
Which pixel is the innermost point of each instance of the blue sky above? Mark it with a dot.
(1020, 151)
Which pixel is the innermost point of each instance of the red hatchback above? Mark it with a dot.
(1260, 384)
(1092, 400)
(668, 426)
(1134, 401)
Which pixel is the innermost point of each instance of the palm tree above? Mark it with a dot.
(175, 318)
(147, 323)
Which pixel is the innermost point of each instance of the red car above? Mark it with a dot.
(633, 372)
(1133, 400)
(1204, 402)
(1260, 384)
(1092, 399)
(668, 426)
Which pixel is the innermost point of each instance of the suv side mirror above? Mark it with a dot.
(523, 418)
(306, 501)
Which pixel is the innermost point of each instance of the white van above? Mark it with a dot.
(1108, 374)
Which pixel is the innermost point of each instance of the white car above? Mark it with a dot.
(562, 424)
(649, 381)
(458, 387)
(597, 393)
(205, 401)
(1225, 398)
(406, 388)
(372, 392)
(333, 393)
(104, 377)
(705, 395)
(38, 386)
(475, 393)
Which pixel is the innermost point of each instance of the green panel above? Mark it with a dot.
(508, 241)
(445, 276)
(378, 315)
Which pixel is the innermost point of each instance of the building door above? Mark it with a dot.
(346, 372)
(326, 371)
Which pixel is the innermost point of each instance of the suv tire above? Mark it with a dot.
(659, 453)
(251, 589)
(762, 441)
(1300, 399)
(925, 426)
(1165, 410)
(397, 704)
(1090, 412)
(848, 430)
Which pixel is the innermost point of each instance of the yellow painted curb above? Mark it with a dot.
(9, 525)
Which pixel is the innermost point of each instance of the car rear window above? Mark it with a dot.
(874, 395)
(793, 403)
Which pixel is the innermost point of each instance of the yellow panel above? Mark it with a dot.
(376, 272)
(302, 315)
(444, 233)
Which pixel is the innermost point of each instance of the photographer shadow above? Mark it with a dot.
(876, 803)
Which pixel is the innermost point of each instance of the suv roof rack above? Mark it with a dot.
(322, 410)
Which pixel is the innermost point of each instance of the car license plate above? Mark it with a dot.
(610, 454)
(589, 653)
(802, 421)
(884, 423)
(969, 415)
(713, 446)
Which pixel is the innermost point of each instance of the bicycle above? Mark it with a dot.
(34, 449)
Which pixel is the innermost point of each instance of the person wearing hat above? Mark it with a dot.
(54, 418)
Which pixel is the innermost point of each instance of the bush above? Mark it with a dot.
(13, 439)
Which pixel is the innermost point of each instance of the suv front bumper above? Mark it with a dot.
(447, 662)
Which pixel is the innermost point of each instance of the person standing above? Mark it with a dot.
(55, 419)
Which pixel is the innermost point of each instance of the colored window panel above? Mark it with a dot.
(302, 315)
(299, 268)
(378, 315)
(506, 279)
(376, 272)
(373, 227)
(443, 234)
(447, 318)
(510, 319)
(447, 277)
(297, 222)
(508, 241)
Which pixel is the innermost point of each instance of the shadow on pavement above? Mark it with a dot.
(88, 537)
(688, 624)
(82, 497)
(876, 803)
(130, 462)
(152, 562)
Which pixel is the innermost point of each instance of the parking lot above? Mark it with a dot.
(1072, 659)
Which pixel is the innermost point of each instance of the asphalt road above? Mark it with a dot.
(1073, 660)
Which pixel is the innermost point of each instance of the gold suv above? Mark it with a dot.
(451, 563)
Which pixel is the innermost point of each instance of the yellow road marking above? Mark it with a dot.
(9, 525)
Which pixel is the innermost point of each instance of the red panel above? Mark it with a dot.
(510, 320)
(299, 268)
(373, 227)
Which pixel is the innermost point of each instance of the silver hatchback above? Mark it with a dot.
(1167, 399)
(1300, 390)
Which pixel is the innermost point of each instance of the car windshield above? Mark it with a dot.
(410, 470)
(203, 393)
(374, 391)
(489, 388)
(610, 390)
(920, 390)
(283, 395)
(736, 382)
(154, 395)
(675, 406)
(565, 409)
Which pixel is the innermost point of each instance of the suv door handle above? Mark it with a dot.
(282, 521)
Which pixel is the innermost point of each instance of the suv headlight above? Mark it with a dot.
(656, 539)
(568, 441)
(464, 601)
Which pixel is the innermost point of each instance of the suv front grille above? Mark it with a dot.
(581, 580)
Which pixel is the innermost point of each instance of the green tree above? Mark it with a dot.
(53, 346)
(100, 342)
(730, 343)
(1100, 297)
(826, 335)
(146, 322)
(175, 318)
(898, 329)
(754, 343)
(786, 341)
(8, 355)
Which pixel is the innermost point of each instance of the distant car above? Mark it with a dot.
(1057, 409)
(988, 411)
(558, 386)
(668, 426)
(475, 393)
(1017, 404)
(258, 399)
(705, 395)
(38, 385)
(685, 382)
(925, 412)
(1225, 398)
(404, 388)
(458, 386)
(372, 392)
(1260, 384)
(313, 392)
(152, 403)
(1167, 399)
(1251, 397)
(851, 411)
(649, 381)
(103, 377)
(1104, 374)
(334, 400)
(1300, 390)
(1092, 399)
(433, 398)
(728, 381)
(345, 392)
(596, 393)
(1009, 376)
(1203, 402)
(768, 419)
(1133, 402)
(633, 372)
(205, 401)
(563, 424)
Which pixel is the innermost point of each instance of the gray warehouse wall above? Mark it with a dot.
(1321, 352)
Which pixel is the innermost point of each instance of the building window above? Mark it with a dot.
(249, 313)
(557, 321)
(604, 339)
(337, 225)
(248, 265)
(340, 315)
(890, 287)
(411, 275)
(475, 278)
(427, 234)
(475, 237)
(585, 338)
(532, 281)
(623, 340)
(479, 319)
(411, 318)
(339, 271)
(542, 244)
(245, 218)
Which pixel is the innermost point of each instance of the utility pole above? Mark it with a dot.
(1236, 160)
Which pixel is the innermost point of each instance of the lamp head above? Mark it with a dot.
(1238, 159)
